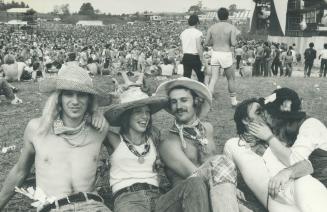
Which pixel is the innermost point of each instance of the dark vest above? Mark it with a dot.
(318, 159)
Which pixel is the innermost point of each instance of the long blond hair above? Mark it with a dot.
(50, 113)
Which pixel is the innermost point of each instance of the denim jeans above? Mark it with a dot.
(88, 206)
(307, 68)
(138, 201)
(6, 90)
(190, 195)
(323, 67)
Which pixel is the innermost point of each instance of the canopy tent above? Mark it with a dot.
(18, 10)
(16, 22)
(89, 23)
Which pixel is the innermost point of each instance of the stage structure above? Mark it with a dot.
(292, 21)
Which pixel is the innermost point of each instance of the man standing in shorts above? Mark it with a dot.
(222, 36)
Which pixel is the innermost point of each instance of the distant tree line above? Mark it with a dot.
(12, 4)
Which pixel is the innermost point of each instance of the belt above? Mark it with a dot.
(75, 198)
(135, 187)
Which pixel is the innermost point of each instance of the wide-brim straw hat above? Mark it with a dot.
(73, 78)
(199, 88)
(133, 98)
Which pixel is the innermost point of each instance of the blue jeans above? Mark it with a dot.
(88, 206)
(190, 195)
(138, 201)
(6, 90)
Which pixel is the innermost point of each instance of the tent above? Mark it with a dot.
(18, 10)
(16, 22)
(89, 23)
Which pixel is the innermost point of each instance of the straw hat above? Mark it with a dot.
(73, 78)
(199, 88)
(133, 98)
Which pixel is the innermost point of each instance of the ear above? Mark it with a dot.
(245, 121)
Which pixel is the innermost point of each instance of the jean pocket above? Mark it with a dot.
(132, 201)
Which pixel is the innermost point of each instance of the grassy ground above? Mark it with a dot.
(13, 119)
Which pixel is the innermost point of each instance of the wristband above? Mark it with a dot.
(270, 137)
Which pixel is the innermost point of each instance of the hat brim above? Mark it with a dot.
(200, 89)
(50, 85)
(114, 113)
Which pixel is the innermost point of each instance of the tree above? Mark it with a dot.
(97, 11)
(195, 9)
(65, 9)
(56, 10)
(61, 9)
(22, 4)
(30, 17)
(232, 8)
(86, 9)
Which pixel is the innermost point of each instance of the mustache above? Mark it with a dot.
(181, 110)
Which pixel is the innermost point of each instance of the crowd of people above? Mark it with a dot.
(274, 135)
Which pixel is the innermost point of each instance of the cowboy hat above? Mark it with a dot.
(199, 88)
(73, 78)
(284, 103)
(133, 98)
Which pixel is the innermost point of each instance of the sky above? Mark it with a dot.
(132, 6)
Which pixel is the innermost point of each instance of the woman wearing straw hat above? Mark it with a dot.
(133, 174)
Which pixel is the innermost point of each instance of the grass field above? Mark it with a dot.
(13, 119)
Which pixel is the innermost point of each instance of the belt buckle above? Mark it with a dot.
(137, 187)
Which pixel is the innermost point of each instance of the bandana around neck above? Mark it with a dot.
(195, 131)
(75, 136)
(59, 128)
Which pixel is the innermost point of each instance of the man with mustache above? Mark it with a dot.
(188, 148)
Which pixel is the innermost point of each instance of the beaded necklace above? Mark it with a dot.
(140, 156)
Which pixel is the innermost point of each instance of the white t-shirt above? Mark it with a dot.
(323, 54)
(312, 135)
(188, 38)
(167, 70)
(21, 66)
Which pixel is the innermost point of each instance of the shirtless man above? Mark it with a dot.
(188, 149)
(63, 146)
(222, 36)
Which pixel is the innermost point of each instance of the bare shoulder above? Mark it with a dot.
(33, 124)
(31, 129)
(208, 126)
(169, 139)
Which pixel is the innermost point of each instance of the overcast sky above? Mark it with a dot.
(132, 6)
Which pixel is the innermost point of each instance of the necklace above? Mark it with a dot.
(140, 156)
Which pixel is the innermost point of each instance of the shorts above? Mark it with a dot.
(222, 59)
